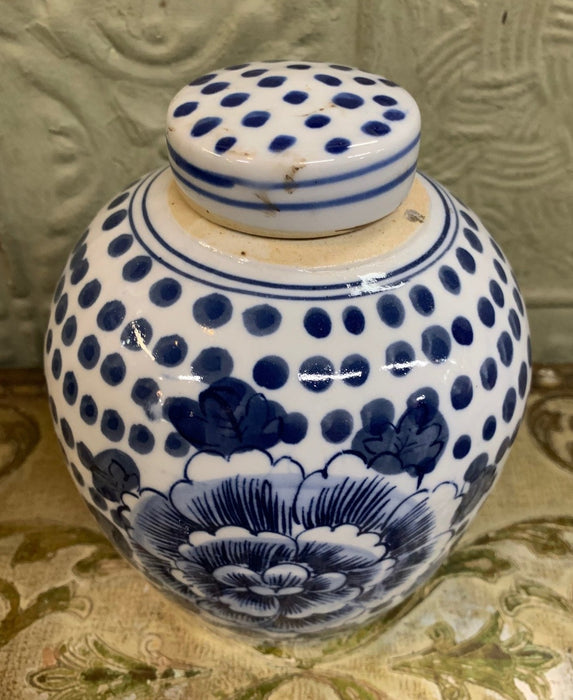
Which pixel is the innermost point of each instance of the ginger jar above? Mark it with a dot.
(287, 369)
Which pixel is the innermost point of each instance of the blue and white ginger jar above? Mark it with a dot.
(283, 428)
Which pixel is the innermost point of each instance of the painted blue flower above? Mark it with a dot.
(231, 416)
(479, 478)
(113, 472)
(256, 543)
(413, 444)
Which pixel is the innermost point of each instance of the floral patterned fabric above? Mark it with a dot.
(495, 618)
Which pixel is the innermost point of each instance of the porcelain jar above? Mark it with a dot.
(286, 370)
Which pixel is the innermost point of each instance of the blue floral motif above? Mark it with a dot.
(413, 444)
(231, 416)
(479, 477)
(113, 472)
(257, 544)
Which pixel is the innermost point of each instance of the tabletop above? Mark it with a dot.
(495, 621)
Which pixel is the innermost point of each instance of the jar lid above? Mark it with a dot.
(293, 150)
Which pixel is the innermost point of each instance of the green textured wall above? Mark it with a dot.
(84, 86)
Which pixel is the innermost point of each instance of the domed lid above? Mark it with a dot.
(293, 150)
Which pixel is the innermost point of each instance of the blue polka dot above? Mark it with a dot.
(61, 309)
(295, 97)
(449, 279)
(57, 364)
(137, 268)
(466, 260)
(237, 66)
(317, 323)
(348, 100)
(376, 415)
(112, 425)
(328, 79)
(400, 357)
(500, 271)
(425, 396)
(59, 288)
(120, 245)
(353, 320)
(489, 428)
(422, 299)
(468, 219)
(496, 293)
(78, 254)
(436, 344)
(255, 119)
(213, 310)
(488, 373)
(337, 66)
(170, 350)
(503, 448)
(281, 143)
(514, 324)
(69, 330)
(295, 426)
(254, 72)
(89, 294)
(98, 500)
(88, 409)
(114, 219)
(364, 81)
(374, 128)
(462, 446)
(385, 100)
(271, 81)
(337, 145)
(505, 348)
(201, 80)
(120, 199)
(212, 364)
(89, 352)
(224, 144)
(473, 240)
(137, 334)
(317, 121)
(462, 331)
(394, 115)
(529, 351)
(112, 369)
(497, 248)
(271, 372)
(391, 310)
(111, 315)
(213, 88)
(145, 392)
(486, 312)
(49, 339)
(165, 292)
(315, 373)
(70, 388)
(53, 409)
(205, 125)
(476, 468)
(234, 99)
(354, 370)
(522, 381)
(76, 474)
(508, 408)
(262, 319)
(79, 272)
(184, 109)
(336, 426)
(389, 83)
(67, 433)
(461, 392)
(518, 301)
(176, 446)
(141, 440)
(298, 66)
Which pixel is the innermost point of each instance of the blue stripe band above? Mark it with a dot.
(225, 181)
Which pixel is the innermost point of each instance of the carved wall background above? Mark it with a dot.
(84, 87)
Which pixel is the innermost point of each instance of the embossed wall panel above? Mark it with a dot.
(84, 87)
